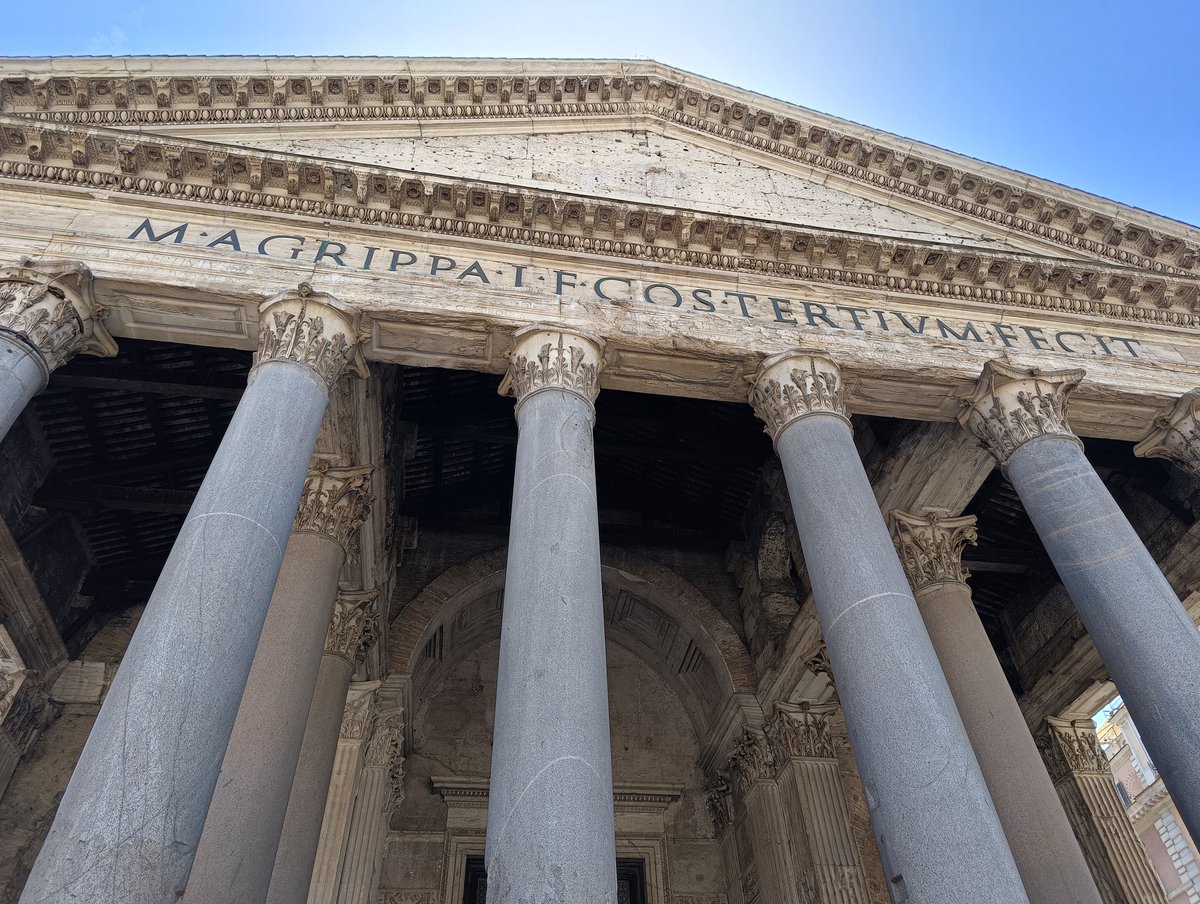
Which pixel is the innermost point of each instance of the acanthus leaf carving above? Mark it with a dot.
(793, 385)
(803, 732)
(352, 629)
(49, 305)
(549, 357)
(311, 328)
(1175, 434)
(930, 546)
(1070, 747)
(1012, 405)
(716, 801)
(335, 501)
(751, 760)
(358, 716)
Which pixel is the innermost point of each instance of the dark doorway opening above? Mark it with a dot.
(631, 882)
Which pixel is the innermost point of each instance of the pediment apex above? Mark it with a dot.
(145, 92)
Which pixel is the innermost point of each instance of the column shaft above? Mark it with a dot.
(23, 375)
(241, 833)
(1047, 854)
(132, 813)
(1141, 630)
(929, 804)
(293, 867)
(550, 829)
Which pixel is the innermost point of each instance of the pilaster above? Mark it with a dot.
(1080, 772)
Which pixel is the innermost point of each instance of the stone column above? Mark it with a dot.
(47, 315)
(550, 829)
(378, 789)
(350, 633)
(779, 874)
(1051, 864)
(805, 750)
(716, 801)
(236, 854)
(1142, 632)
(930, 807)
(1080, 773)
(132, 814)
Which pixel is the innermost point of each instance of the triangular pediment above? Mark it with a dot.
(639, 166)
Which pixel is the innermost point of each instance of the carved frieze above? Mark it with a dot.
(311, 328)
(1013, 405)
(802, 732)
(49, 305)
(1069, 747)
(751, 760)
(548, 357)
(335, 501)
(793, 385)
(931, 545)
(1175, 434)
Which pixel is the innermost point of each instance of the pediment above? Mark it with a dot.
(639, 166)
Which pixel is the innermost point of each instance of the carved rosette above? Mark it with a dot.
(549, 357)
(1013, 405)
(716, 801)
(1071, 748)
(311, 328)
(931, 545)
(49, 304)
(750, 760)
(1175, 434)
(803, 732)
(335, 501)
(353, 628)
(793, 385)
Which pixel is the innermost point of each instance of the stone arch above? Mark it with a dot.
(649, 609)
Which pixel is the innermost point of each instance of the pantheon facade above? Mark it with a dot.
(448, 480)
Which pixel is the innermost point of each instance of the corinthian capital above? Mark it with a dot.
(49, 304)
(751, 760)
(802, 732)
(931, 546)
(311, 328)
(335, 501)
(792, 385)
(1013, 405)
(352, 629)
(1070, 747)
(551, 357)
(1175, 434)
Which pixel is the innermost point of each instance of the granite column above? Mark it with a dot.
(1141, 630)
(47, 314)
(1046, 852)
(133, 811)
(929, 804)
(350, 633)
(236, 854)
(550, 828)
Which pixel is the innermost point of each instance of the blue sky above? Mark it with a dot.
(1100, 95)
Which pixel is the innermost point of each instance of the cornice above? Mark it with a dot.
(222, 176)
(181, 91)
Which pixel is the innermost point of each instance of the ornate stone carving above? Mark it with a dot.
(751, 760)
(792, 385)
(1175, 434)
(1013, 405)
(716, 800)
(931, 545)
(550, 357)
(358, 717)
(335, 501)
(28, 712)
(391, 896)
(384, 751)
(803, 732)
(49, 304)
(312, 328)
(818, 663)
(1070, 747)
(352, 629)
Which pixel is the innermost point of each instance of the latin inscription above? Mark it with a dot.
(623, 289)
